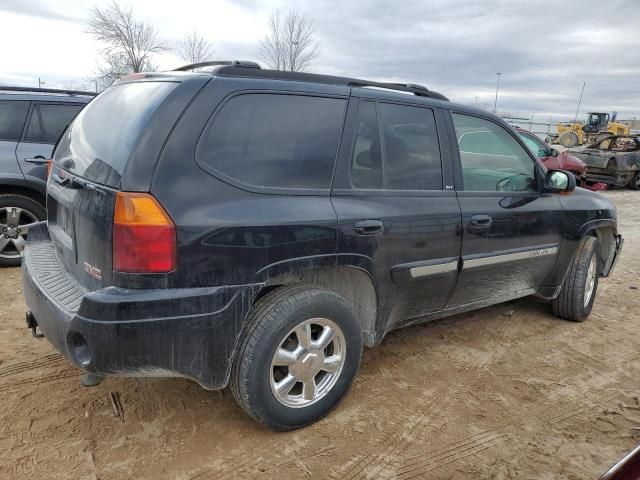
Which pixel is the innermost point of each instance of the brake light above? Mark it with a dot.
(144, 236)
(49, 167)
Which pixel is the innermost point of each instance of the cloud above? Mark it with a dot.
(40, 8)
(545, 50)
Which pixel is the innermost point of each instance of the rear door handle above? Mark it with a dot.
(369, 227)
(38, 159)
(481, 221)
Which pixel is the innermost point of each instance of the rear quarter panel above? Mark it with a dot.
(228, 235)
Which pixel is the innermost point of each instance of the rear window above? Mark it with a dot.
(98, 143)
(277, 141)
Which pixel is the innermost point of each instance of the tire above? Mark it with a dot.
(568, 139)
(12, 242)
(634, 184)
(578, 292)
(269, 329)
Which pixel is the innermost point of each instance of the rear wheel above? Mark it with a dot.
(581, 284)
(298, 357)
(17, 214)
(634, 184)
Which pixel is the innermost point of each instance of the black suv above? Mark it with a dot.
(256, 228)
(31, 121)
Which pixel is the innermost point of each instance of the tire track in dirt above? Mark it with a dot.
(391, 448)
(34, 382)
(253, 466)
(454, 452)
(52, 360)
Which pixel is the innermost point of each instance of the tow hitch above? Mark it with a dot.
(33, 325)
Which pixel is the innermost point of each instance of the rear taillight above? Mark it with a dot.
(49, 167)
(144, 236)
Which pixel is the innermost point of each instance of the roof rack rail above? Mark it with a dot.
(231, 63)
(416, 89)
(46, 90)
(235, 70)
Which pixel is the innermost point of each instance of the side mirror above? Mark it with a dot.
(559, 181)
(553, 152)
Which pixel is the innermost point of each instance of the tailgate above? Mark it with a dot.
(80, 219)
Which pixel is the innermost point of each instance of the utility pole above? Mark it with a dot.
(495, 104)
(476, 100)
(41, 82)
(579, 102)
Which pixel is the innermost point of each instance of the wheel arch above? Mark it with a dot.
(605, 232)
(354, 284)
(20, 188)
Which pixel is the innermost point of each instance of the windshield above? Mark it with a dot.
(98, 143)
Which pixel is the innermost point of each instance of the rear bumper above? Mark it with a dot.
(188, 333)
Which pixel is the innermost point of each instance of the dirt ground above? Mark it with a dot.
(505, 392)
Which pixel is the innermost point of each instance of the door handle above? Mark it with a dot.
(38, 160)
(481, 221)
(369, 227)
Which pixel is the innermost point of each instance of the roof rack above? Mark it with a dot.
(231, 69)
(218, 63)
(419, 90)
(46, 90)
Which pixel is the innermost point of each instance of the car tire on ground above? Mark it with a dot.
(581, 284)
(298, 357)
(634, 184)
(16, 212)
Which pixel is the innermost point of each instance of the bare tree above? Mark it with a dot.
(290, 44)
(194, 48)
(130, 43)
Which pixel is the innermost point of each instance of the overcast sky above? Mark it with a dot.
(544, 49)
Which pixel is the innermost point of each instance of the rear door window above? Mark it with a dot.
(100, 139)
(398, 152)
(275, 140)
(13, 114)
(34, 128)
(55, 119)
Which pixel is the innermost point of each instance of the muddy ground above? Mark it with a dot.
(505, 392)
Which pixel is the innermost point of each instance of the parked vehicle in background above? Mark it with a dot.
(31, 121)
(599, 125)
(552, 159)
(256, 228)
(614, 160)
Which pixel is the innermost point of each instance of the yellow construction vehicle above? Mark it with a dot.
(598, 126)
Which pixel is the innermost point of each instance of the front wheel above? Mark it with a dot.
(298, 358)
(581, 284)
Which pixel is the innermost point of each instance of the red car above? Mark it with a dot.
(552, 159)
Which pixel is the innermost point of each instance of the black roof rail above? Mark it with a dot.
(419, 90)
(218, 63)
(46, 90)
(229, 70)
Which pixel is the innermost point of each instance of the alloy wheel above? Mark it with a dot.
(14, 225)
(590, 281)
(307, 363)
